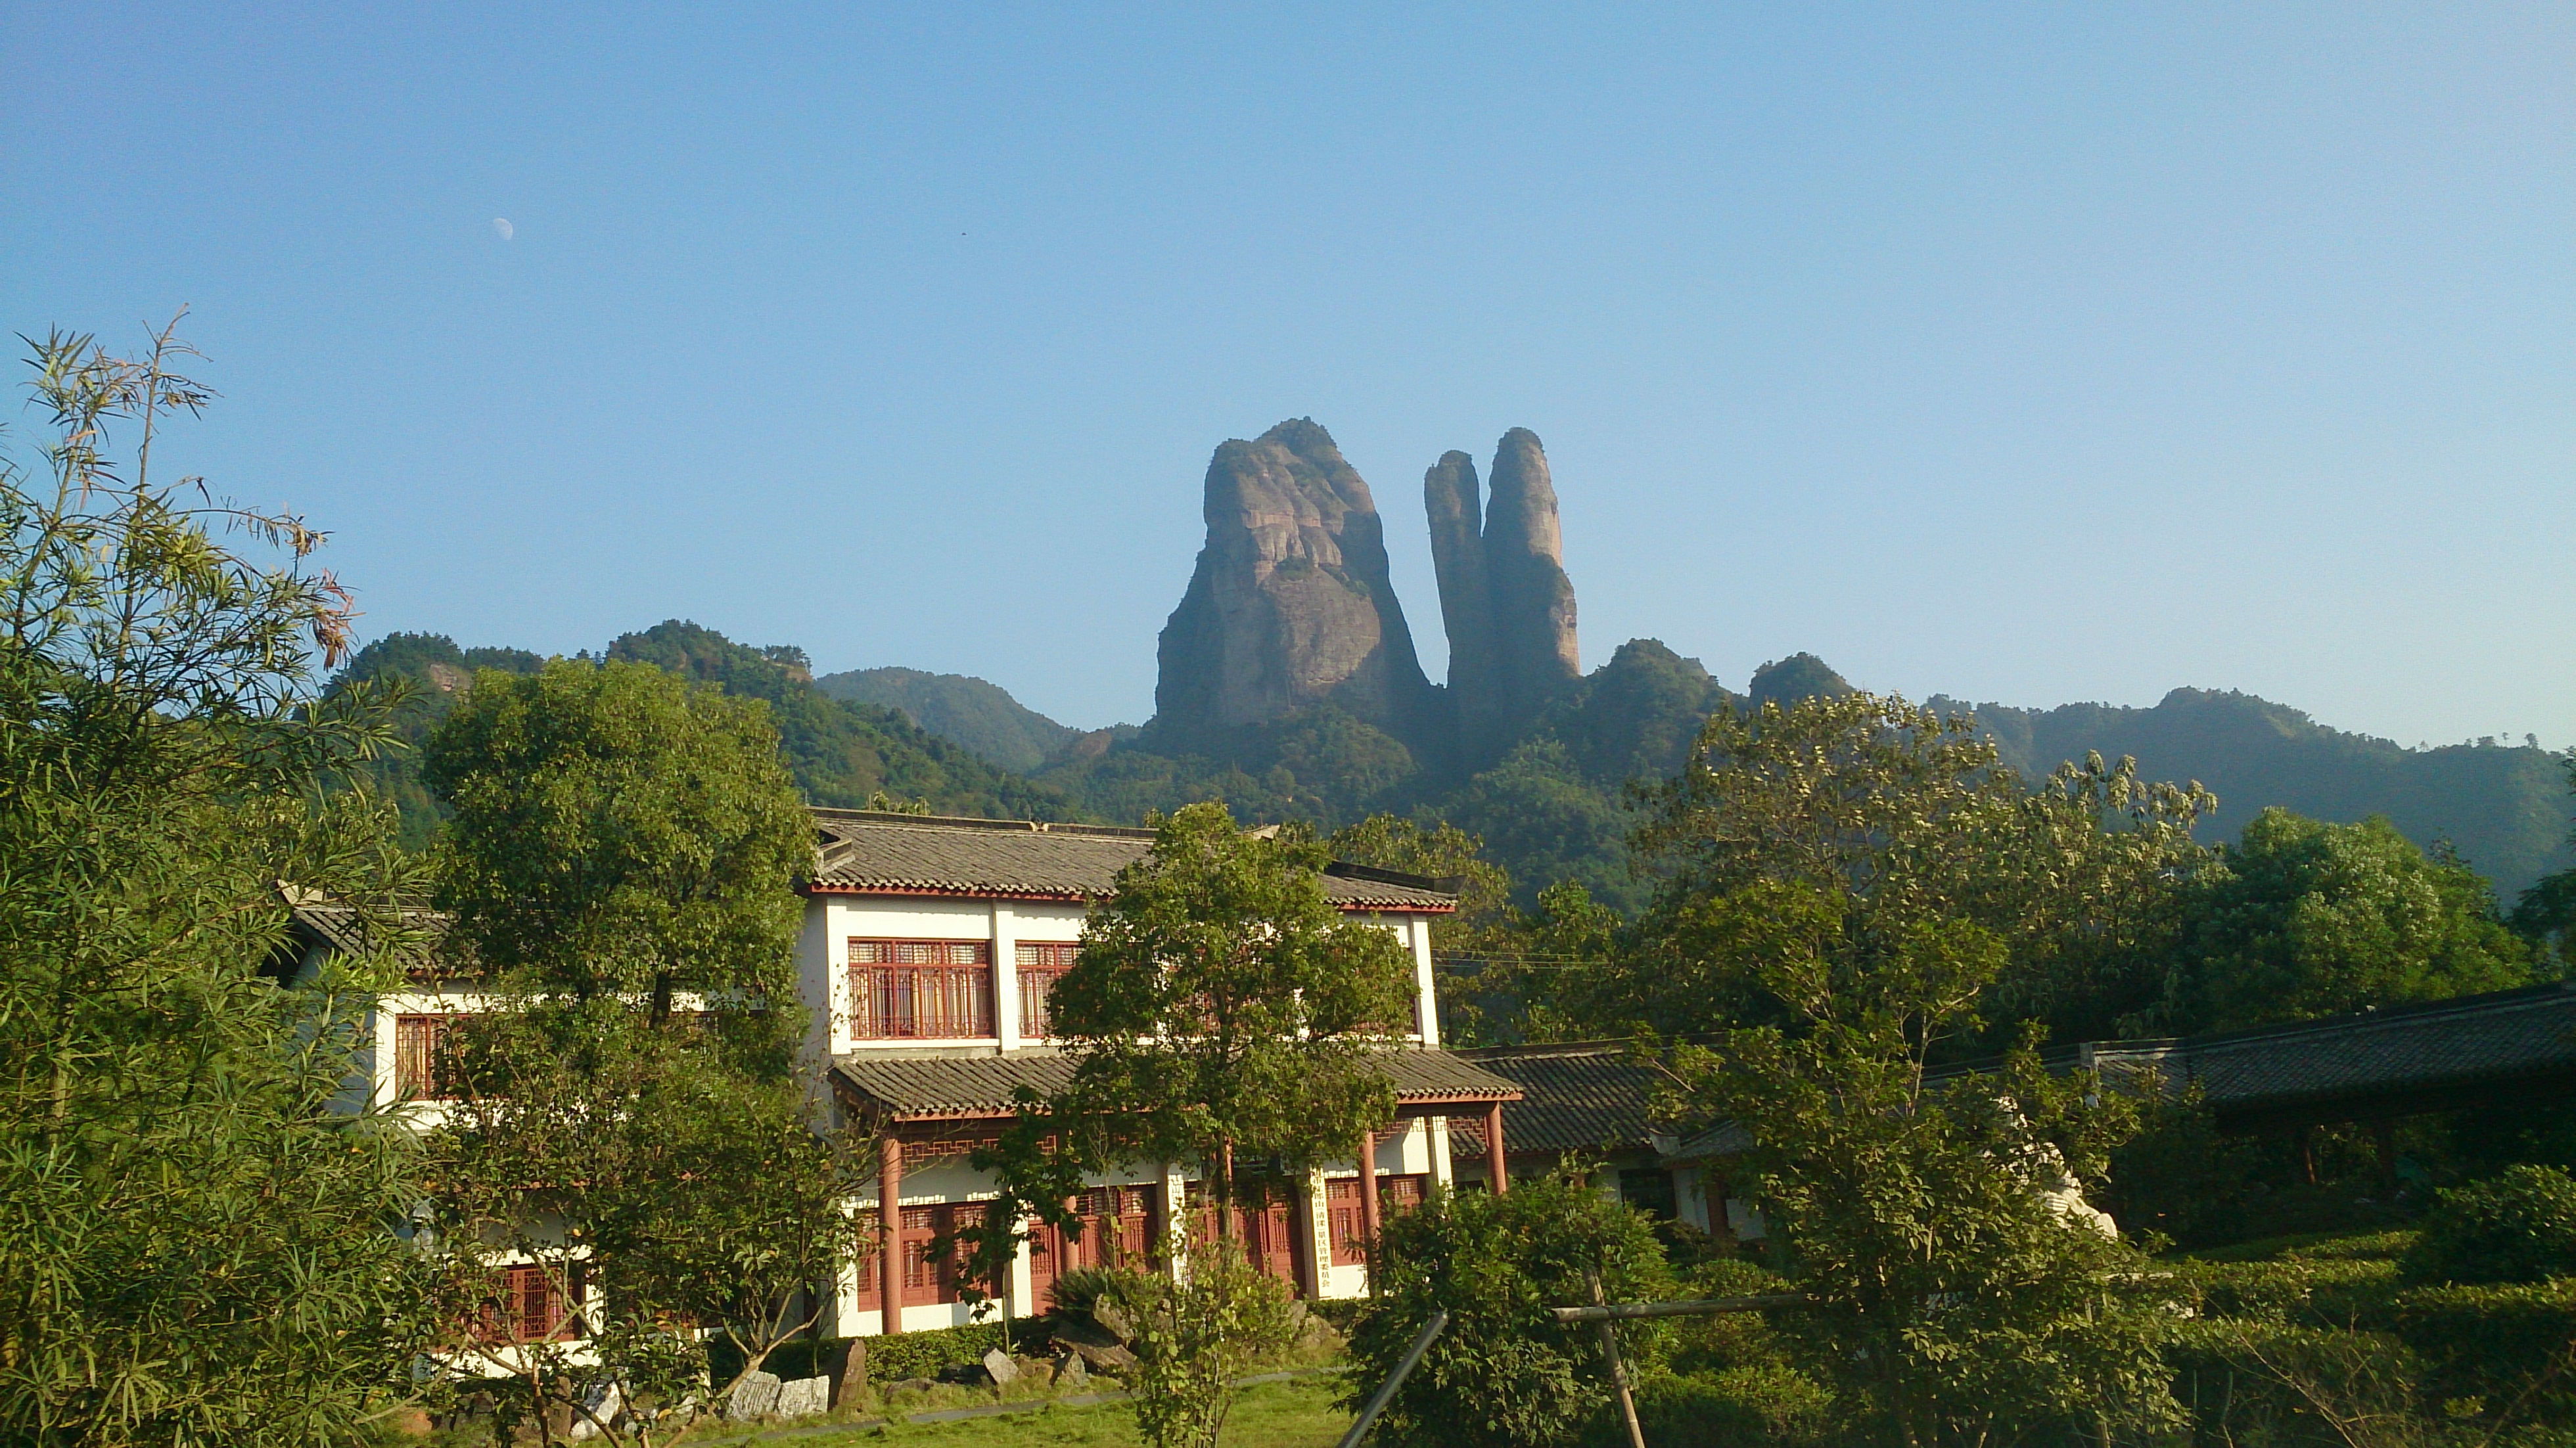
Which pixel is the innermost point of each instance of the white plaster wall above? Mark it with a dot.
(1004, 924)
(1418, 931)
(1690, 1198)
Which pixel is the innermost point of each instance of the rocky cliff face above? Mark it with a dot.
(1503, 591)
(1291, 604)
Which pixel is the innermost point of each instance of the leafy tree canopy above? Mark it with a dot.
(1222, 1012)
(2308, 919)
(179, 1153)
(617, 829)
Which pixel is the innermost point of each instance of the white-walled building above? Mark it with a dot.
(928, 950)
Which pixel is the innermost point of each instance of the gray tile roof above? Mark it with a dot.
(930, 1087)
(349, 931)
(865, 852)
(1585, 1096)
(2382, 1056)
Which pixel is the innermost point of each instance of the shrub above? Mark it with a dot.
(1079, 1288)
(2519, 1226)
(1504, 1372)
(2508, 1346)
(1194, 1338)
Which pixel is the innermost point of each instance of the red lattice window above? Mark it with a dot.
(526, 1306)
(928, 1277)
(917, 989)
(421, 1068)
(1040, 964)
(1400, 1193)
(1342, 1214)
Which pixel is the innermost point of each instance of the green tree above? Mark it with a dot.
(1852, 881)
(620, 866)
(1960, 1291)
(198, 1235)
(616, 829)
(1504, 1373)
(1222, 1010)
(2309, 918)
(1899, 819)
(1478, 932)
(1223, 1013)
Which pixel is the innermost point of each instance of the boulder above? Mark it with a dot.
(1003, 1370)
(804, 1397)
(1113, 1322)
(756, 1396)
(1071, 1372)
(1109, 1358)
(602, 1405)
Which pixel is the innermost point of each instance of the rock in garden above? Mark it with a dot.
(1113, 1321)
(602, 1406)
(755, 1396)
(804, 1397)
(853, 1372)
(999, 1364)
(1102, 1359)
(1071, 1371)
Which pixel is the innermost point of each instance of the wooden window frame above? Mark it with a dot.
(1345, 1223)
(931, 999)
(1038, 965)
(420, 1038)
(525, 1307)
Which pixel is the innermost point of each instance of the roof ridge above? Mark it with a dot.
(896, 819)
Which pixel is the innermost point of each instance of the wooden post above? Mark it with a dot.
(890, 1255)
(1497, 1179)
(1368, 1186)
(1618, 1369)
(1225, 1219)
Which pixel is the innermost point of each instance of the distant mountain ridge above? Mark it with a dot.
(2504, 807)
(959, 708)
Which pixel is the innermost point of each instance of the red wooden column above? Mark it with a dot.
(1368, 1187)
(1495, 1176)
(890, 1255)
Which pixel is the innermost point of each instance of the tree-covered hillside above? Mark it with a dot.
(841, 753)
(963, 710)
(2503, 807)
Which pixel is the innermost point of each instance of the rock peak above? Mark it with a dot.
(1291, 603)
(1504, 595)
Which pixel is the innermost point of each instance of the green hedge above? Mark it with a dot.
(2494, 1342)
(890, 1359)
(923, 1354)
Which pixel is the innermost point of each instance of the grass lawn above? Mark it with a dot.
(1298, 1414)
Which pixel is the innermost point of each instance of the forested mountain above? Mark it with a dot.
(841, 753)
(2504, 807)
(964, 710)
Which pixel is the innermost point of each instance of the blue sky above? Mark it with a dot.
(2026, 354)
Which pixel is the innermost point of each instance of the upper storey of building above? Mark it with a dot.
(940, 936)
